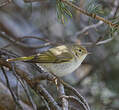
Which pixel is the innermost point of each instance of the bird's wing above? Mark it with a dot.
(52, 56)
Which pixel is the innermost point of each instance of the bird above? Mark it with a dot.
(60, 60)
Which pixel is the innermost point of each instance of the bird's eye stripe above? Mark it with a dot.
(76, 54)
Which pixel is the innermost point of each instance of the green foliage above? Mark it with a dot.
(62, 11)
(116, 27)
(94, 7)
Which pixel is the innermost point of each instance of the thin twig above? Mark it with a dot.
(30, 97)
(26, 89)
(48, 97)
(61, 93)
(34, 37)
(87, 28)
(98, 43)
(45, 102)
(39, 78)
(17, 43)
(84, 102)
(74, 99)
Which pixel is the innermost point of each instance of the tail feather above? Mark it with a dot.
(20, 59)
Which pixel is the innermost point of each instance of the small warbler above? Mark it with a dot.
(60, 60)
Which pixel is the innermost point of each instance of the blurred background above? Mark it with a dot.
(31, 26)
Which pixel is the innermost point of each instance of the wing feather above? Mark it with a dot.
(58, 54)
(54, 55)
(50, 58)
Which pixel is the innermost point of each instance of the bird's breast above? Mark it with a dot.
(62, 69)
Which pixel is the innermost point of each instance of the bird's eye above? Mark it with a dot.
(80, 50)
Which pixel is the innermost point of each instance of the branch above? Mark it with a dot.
(61, 93)
(87, 28)
(20, 44)
(98, 43)
(73, 99)
(90, 14)
(82, 99)
(12, 93)
(83, 103)
(38, 89)
(42, 91)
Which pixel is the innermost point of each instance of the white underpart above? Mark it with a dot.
(63, 69)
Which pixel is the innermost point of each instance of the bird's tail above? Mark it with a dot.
(21, 59)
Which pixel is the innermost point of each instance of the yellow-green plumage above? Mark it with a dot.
(60, 60)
